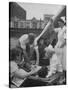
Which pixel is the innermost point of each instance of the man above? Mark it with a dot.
(27, 44)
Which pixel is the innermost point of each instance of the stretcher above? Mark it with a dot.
(55, 79)
(16, 82)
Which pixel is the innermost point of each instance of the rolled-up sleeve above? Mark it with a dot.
(13, 67)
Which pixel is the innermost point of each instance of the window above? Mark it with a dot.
(27, 24)
(34, 25)
(15, 24)
(21, 25)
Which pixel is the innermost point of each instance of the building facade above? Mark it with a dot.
(16, 10)
(47, 17)
(17, 17)
(33, 23)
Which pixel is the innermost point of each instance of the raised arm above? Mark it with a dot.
(20, 73)
(54, 18)
(37, 55)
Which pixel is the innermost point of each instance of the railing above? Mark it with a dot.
(17, 32)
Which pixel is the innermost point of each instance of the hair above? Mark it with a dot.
(60, 20)
(54, 42)
(40, 40)
(31, 37)
(15, 52)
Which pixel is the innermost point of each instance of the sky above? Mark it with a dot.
(38, 10)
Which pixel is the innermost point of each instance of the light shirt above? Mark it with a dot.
(23, 40)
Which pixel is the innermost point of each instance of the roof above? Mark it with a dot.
(16, 10)
(63, 13)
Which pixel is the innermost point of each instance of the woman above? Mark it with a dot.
(61, 32)
(59, 49)
(17, 74)
(61, 44)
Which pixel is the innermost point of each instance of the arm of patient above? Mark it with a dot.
(20, 73)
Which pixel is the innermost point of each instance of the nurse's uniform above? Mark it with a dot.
(61, 51)
(58, 59)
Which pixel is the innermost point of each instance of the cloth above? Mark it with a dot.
(55, 61)
(55, 64)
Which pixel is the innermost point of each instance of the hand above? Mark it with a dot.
(34, 70)
(33, 67)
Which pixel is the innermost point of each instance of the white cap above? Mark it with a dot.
(63, 18)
